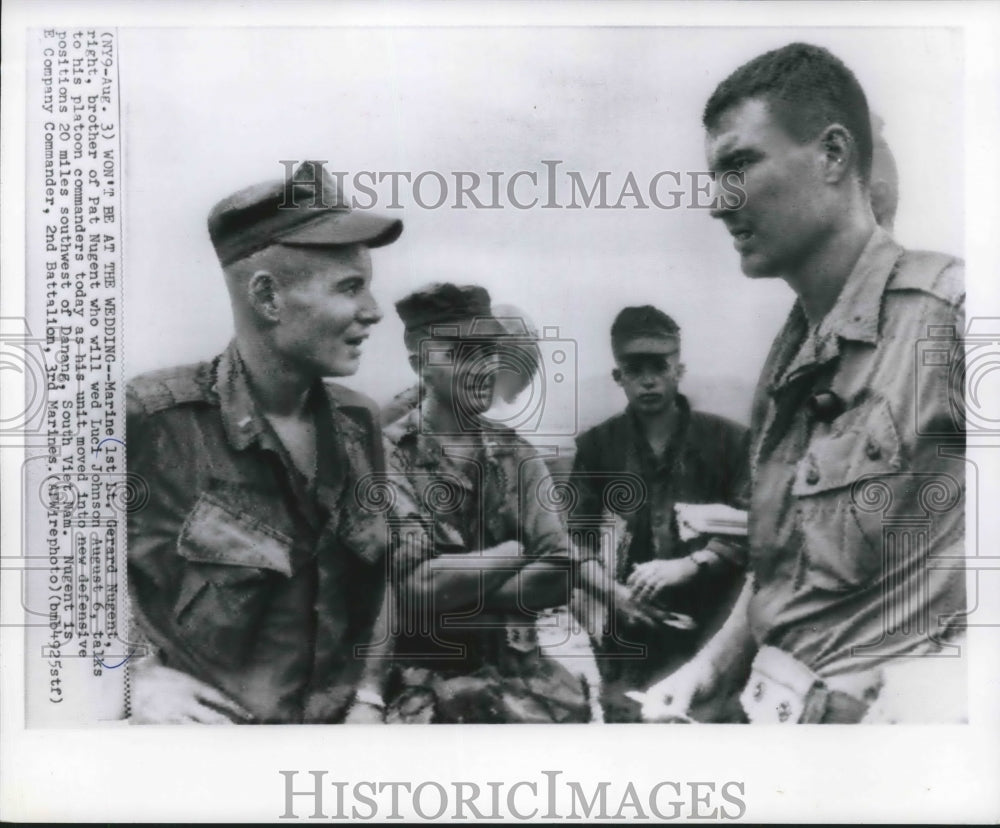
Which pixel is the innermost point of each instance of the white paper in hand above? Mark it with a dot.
(695, 519)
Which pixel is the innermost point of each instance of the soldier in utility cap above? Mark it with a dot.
(471, 491)
(519, 361)
(255, 581)
(681, 456)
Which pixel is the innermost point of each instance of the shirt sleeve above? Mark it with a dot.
(723, 478)
(542, 530)
(730, 549)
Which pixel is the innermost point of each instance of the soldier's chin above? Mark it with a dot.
(754, 267)
(344, 366)
(651, 402)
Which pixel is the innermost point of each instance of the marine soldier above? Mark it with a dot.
(479, 555)
(680, 456)
(857, 508)
(519, 360)
(255, 581)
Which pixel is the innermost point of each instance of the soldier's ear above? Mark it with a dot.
(262, 293)
(616, 375)
(839, 152)
(681, 369)
(414, 360)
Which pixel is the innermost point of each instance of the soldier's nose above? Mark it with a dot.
(727, 194)
(370, 313)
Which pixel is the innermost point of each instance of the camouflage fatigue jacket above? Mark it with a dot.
(462, 500)
(240, 573)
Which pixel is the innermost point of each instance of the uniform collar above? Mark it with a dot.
(854, 316)
(683, 415)
(641, 444)
(241, 419)
(426, 449)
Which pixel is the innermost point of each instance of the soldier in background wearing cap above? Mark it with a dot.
(480, 541)
(252, 578)
(681, 456)
(519, 360)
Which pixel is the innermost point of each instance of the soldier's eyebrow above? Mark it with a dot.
(725, 160)
(351, 280)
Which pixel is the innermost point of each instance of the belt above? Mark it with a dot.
(781, 689)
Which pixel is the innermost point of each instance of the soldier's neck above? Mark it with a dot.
(659, 428)
(279, 390)
(818, 282)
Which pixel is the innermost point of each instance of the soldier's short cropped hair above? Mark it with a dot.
(807, 88)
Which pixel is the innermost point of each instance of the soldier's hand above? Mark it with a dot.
(687, 687)
(649, 579)
(162, 695)
(631, 611)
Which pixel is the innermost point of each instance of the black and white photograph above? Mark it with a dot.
(605, 367)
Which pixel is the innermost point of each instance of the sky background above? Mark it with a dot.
(209, 111)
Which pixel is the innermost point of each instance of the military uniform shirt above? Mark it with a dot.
(241, 573)
(857, 513)
(462, 500)
(705, 462)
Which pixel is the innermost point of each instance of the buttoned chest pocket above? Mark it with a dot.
(233, 563)
(843, 542)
